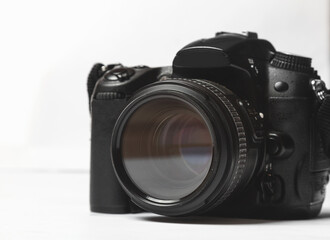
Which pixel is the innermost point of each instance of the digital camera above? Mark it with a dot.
(233, 128)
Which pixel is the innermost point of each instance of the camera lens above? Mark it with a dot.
(167, 148)
(184, 146)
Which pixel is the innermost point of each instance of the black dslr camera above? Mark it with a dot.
(234, 128)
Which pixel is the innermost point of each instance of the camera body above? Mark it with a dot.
(270, 93)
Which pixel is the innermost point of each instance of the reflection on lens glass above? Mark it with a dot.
(167, 148)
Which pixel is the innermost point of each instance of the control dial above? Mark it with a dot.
(292, 62)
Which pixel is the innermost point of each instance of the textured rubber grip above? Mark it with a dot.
(323, 118)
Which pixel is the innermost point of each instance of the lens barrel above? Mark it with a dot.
(183, 146)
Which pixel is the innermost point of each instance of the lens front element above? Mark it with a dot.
(167, 148)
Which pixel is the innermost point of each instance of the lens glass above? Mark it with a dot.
(167, 148)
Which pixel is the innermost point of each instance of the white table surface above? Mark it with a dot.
(53, 203)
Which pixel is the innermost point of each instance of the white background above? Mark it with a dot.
(46, 51)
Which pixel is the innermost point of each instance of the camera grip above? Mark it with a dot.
(106, 194)
(323, 118)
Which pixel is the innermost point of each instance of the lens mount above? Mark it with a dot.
(181, 147)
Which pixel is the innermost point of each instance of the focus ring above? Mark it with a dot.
(242, 142)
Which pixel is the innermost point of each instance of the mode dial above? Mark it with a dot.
(292, 62)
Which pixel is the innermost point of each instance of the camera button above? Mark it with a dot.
(281, 86)
(119, 74)
(273, 147)
(279, 145)
(112, 77)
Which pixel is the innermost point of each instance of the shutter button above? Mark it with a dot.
(119, 74)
